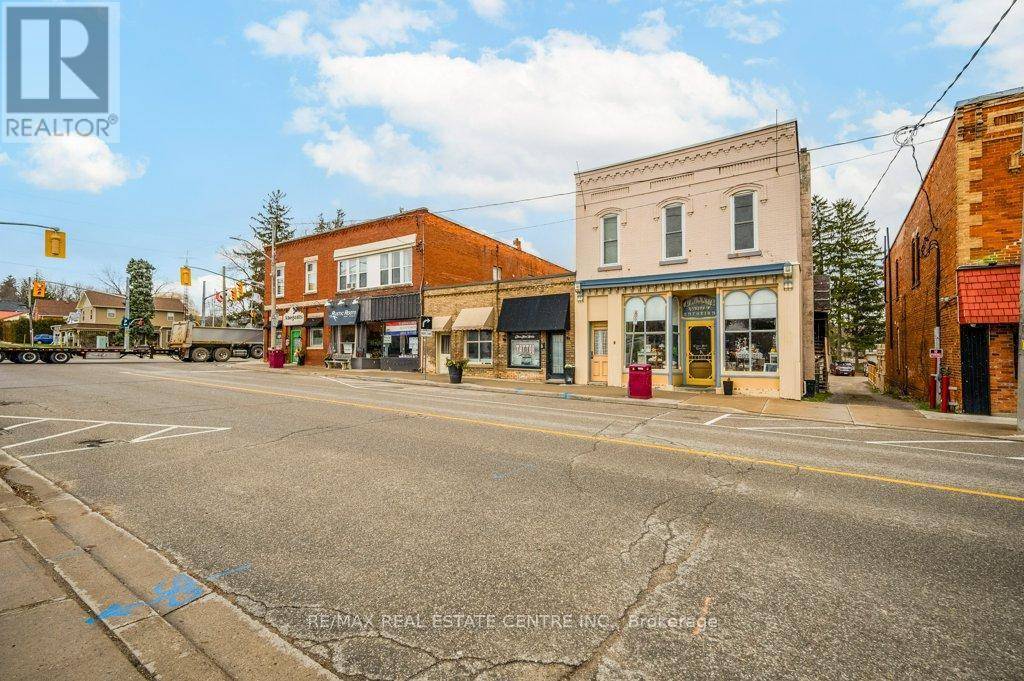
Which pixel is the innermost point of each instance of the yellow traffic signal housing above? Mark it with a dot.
(186, 276)
(239, 290)
(38, 288)
(55, 244)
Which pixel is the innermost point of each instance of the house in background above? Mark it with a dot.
(697, 261)
(46, 312)
(97, 315)
(972, 230)
(356, 292)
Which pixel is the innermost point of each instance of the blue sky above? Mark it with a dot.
(376, 105)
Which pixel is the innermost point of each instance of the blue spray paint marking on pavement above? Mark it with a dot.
(244, 567)
(182, 590)
(566, 395)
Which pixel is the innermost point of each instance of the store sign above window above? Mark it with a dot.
(699, 306)
(400, 328)
(342, 312)
(293, 317)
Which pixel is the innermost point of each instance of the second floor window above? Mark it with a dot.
(311, 277)
(610, 240)
(111, 313)
(672, 219)
(744, 224)
(396, 267)
(351, 273)
(279, 281)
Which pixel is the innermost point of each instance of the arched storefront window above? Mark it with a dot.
(645, 331)
(751, 336)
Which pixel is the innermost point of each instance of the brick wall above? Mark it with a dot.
(450, 300)
(1002, 368)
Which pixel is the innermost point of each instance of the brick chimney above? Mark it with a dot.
(517, 244)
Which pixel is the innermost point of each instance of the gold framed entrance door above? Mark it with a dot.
(700, 353)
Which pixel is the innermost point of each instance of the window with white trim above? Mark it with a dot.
(672, 221)
(311, 276)
(645, 331)
(478, 346)
(351, 273)
(111, 313)
(744, 222)
(396, 268)
(610, 240)
(316, 337)
(170, 316)
(751, 337)
(279, 281)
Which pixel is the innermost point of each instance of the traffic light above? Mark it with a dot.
(240, 290)
(186, 276)
(38, 288)
(55, 244)
(234, 293)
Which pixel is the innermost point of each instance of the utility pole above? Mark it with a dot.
(202, 307)
(31, 309)
(127, 313)
(1020, 330)
(224, 295)
(273, 286)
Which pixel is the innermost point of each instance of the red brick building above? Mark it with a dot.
(356, 292)
(975, 186)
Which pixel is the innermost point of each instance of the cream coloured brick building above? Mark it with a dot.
(697, 261)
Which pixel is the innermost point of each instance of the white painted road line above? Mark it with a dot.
(113, 423)
(50, 437)
(717, 419)
(152, 437)
(925, 442)
(27, 423)
(59, 451)
(836, 427)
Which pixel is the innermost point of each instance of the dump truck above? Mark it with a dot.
(192, 343)
(30, 353)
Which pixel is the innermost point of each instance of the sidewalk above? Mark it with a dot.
(884, 412)
(80, 598)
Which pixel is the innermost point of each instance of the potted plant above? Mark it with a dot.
(300, 357)
(570, 374)
(455, 367)
(727, 386)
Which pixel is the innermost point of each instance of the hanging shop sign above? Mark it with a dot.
(293, 317)
(699, 306)
(342, 312)
(524, 350)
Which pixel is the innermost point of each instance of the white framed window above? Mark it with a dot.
(311, 276)
(352, 273)
(610, 240)
(751, 336)
(478, 347)
(111, 313)
(279, 281)
(316, 337)
(744, 221)
(170, 316)
(673, 240)
(396, 267)
(645, 331)
(496, 273)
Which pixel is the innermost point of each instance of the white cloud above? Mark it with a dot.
(965, 23)
(522, 123)
(491, 10)
(373, 24)
(742, 25)
(443, 46)
(77, 163)
(854, 180)
(652, 34)
(306, 120)
(759, 61)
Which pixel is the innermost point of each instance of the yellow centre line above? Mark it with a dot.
(600, 438)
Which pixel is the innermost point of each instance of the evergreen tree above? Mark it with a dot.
(250, 260)
(845, 249)
(324, 225)
(140, 298)
(9, 288)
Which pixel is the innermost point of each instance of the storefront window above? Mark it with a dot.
(343, 340)
(478, 347)
(400, 339)
(316, 337)
(645, 331)
(524, 350)
(750, 332)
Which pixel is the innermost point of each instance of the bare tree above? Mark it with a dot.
(111, 280)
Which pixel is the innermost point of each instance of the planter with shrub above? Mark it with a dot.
(455, 367)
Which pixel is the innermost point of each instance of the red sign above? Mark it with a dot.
(935, 353)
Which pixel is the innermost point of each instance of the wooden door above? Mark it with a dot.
(444, 351)
(974, 369)
(700, 353)
(599, 352)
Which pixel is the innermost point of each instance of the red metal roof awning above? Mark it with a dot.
(989, 295)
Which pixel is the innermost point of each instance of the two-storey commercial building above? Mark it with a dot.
(356, 292)
(953, 271)
(697, 261)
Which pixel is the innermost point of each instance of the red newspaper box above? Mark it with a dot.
(276, 358)
(640, 382)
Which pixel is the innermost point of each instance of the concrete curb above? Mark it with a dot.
(929, 426)
(174, 625)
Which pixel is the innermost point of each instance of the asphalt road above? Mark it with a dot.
(423, 532)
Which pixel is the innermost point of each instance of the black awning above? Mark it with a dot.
(535, 313)
(314, 322)
(343, 312)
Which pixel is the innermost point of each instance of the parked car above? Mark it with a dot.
(843, 369)
(44, 338)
